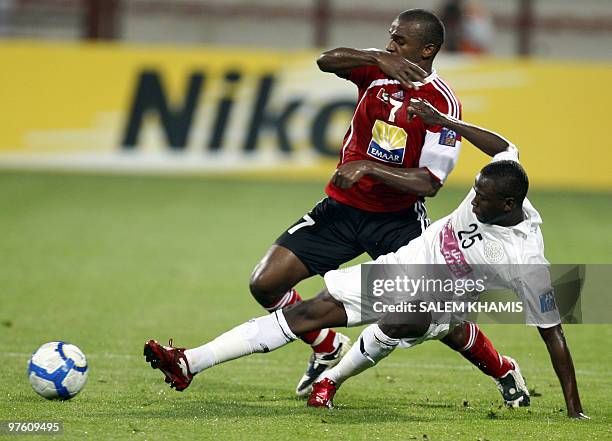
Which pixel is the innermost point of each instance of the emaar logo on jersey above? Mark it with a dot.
(395, 156)
(388, 143)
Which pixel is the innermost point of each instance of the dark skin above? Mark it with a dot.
(492, 208)
(563, 365)
(407, 59)
(280, 269)
(489, 206)
(324, 311)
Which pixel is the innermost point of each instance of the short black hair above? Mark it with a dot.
(433, 28)
(510, 179)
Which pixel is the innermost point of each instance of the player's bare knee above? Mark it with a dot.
(264, 287)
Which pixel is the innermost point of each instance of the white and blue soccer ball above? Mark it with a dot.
(57, 370)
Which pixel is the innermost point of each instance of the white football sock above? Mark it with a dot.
(372, 346)
(263, 334)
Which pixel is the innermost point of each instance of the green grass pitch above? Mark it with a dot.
(108, 262)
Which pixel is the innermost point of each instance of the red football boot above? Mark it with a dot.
(322, 394)
(171, 361)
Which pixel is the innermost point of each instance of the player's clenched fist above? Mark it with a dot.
(349, 173)
(398, 67)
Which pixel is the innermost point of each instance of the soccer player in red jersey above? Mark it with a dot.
(496, 210)
(388, 164)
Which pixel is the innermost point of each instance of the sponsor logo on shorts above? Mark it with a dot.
(547, 302)
(448, 137)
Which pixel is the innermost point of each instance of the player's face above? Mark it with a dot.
(488, 205)
(404, 40)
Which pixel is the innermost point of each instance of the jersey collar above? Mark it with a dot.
(532, 218)
(432, 76)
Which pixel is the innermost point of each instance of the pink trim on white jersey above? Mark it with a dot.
(453, 256)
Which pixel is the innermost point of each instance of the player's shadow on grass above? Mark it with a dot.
(210, 399)
(217, 399)
(221, 408)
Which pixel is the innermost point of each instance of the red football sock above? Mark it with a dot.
(322, 340)
(326, 341)
(289, 298)
(481, 353)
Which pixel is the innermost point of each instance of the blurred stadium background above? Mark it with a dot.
(220, 111)
(188, 85)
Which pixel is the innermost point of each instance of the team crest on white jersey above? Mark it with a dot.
(493, 251)
(388, 143)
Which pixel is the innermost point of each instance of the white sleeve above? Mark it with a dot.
(534, 288)
(510, 154)
(440, 153)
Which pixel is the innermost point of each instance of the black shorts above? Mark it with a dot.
(333, 233)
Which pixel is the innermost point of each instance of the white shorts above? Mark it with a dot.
(344, 285)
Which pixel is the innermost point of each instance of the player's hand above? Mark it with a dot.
(404, 71)
(578, 415)
(348, 174)
(428, 113)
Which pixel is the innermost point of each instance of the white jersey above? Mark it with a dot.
(514, 254)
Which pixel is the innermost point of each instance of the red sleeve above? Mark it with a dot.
(447, 104)
(364, 75)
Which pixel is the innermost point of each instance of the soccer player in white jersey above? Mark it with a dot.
(494, 216)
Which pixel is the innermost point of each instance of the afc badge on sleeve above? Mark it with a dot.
(448, 137)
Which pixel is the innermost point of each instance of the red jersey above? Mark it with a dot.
(380, 131)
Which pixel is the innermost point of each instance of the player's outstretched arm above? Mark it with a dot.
(342, 60)
(564, 368)
(487, 141)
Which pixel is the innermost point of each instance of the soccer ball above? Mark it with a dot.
(57, 370)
